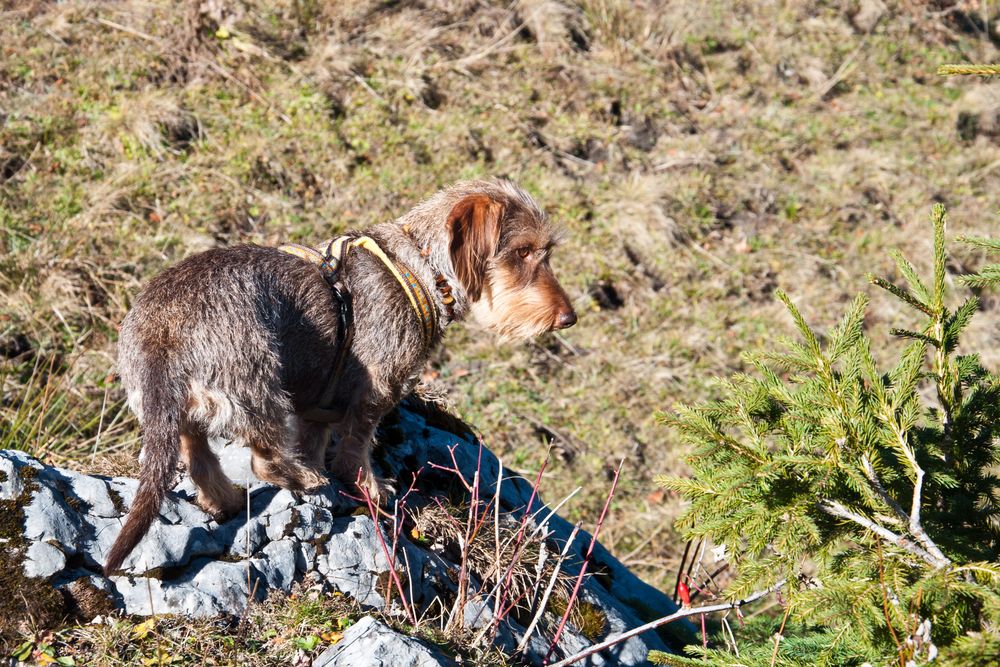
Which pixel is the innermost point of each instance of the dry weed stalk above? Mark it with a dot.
(390, 554)
(586, 561)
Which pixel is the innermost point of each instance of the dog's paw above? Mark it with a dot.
(379, 489)
(223, 504)
(313, 480)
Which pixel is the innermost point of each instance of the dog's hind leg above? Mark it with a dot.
(278, 459)
(216, 493)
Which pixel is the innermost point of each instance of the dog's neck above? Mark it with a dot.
(422, 245)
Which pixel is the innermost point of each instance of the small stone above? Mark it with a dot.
(867, 15)
(477, 614)
(313, 523)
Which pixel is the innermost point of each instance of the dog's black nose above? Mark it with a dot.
(566, 319)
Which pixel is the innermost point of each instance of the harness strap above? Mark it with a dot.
(414, 290)
(329, 264)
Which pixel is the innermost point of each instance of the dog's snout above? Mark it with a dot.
(566, 319)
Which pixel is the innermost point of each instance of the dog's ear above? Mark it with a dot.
(474, 225)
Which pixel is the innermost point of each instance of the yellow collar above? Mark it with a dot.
(337, 250)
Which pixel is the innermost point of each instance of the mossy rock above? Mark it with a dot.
(28, 603)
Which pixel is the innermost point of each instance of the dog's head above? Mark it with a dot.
(500, 244)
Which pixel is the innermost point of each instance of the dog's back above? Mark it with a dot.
(209, 348)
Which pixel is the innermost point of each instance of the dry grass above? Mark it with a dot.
(698, 154)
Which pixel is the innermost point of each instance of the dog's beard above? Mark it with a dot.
(513, 312)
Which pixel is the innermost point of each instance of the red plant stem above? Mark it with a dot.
(390, 560)
(586, 562)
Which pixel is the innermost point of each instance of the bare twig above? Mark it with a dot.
(778, 635)
(504, 589)
(540, 609)
(652, 625)
(586, 562)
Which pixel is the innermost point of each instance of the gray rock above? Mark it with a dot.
(371, 643)
(100, 535)
(208, 588)
(313, 523)
(190, 564)
(305, 560)
(282, 524)
(178, 511)
(48, 519)
(94, 492)
(11, 485)
(235, 461)
(354, 560)
(277, 564)
(268, 501)
(242, 540)
(43, 560)
(168, 545)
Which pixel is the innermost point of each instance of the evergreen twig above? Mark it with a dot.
(969, 69)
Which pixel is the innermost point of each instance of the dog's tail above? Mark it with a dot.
(161, 412)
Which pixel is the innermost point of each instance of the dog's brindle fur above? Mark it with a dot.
(239, 341)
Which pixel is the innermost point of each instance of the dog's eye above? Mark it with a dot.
(523, 252)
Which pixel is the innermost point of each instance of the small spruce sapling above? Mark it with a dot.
(873, 493)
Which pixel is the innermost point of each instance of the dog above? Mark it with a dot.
(282, 348)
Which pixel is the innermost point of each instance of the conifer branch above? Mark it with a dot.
(876, 483)
(917, 529)
(900, 293)
(934, 556)
(679, 614)
(839, 510)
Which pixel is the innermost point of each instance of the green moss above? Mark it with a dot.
(89, 600)
(589, 619)
(37, 605)
(117, 501)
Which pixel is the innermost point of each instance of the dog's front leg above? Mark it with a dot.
(352, 460)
